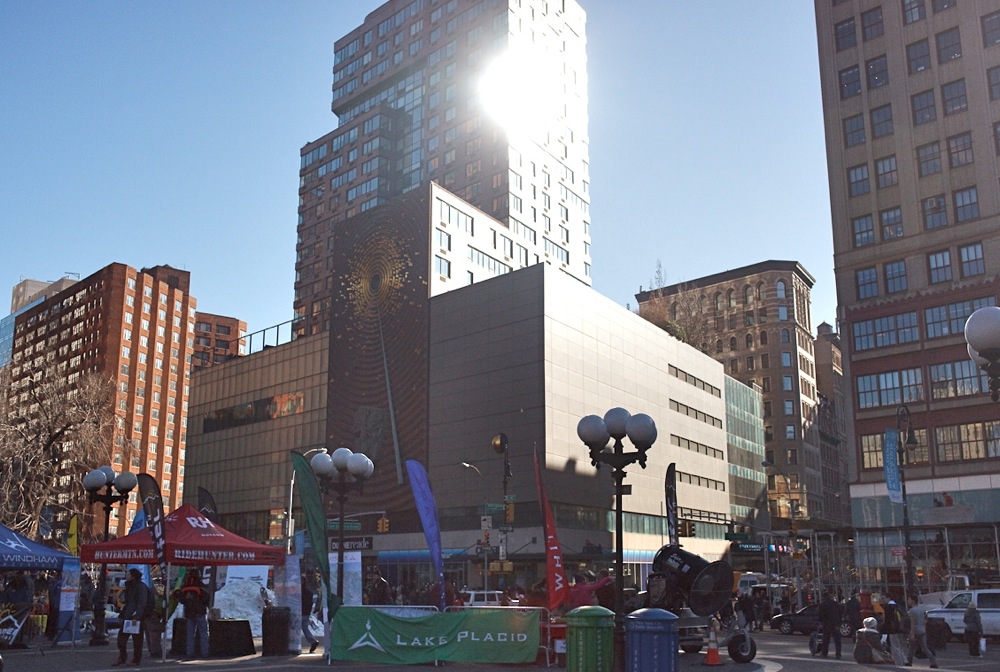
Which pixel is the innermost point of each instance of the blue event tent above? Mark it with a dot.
(17, 552)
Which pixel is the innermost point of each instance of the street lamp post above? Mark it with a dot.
(486, 512)
(792, 528)
(595, 432)
(903, 420)
(982, 333)
(341, 472)
(115, 491)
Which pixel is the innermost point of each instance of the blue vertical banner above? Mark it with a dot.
(139, 523)
(427, 510)
(890, 463)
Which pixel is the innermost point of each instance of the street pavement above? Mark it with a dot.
(775, 653)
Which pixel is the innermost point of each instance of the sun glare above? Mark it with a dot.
(522, 90)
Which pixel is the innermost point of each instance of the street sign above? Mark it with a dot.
(748, 548)
(486, 522)
(349, 525)
(495, 508)
(510, 498)
(898, 551)
(737, 536)
(506, 528)
(353, 544)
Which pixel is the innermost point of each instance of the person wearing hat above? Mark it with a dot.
(133, 609)
(892, 627)
(868, 644)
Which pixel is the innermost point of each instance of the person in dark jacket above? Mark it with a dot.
(868, 644)
(194, 597)
(852, 612)
(307, 610)
(133, 609)
(830, 613)
(892, 626)
(973, 628)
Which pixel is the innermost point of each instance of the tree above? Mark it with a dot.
(681, 314)
(53, 430)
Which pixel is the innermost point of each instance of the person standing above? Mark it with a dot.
(918, 631)
(852, 612)
(307, 610)
(831, 613)
(380, 592)
(892, 627)
(194, 597)
(606, 594)
(973, 627)
(133, 609)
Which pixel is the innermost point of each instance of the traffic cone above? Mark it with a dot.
(712, 657)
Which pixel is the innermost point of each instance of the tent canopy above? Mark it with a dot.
(17, 552)
(191, 539)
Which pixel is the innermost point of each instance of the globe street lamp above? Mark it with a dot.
(341, 472)
(982, 333)
(793, 530)
(903, 420)
(115, 491)
(595, 432)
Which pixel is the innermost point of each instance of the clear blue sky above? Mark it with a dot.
(169, 132)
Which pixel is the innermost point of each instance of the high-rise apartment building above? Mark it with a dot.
(135, 327)
(755, 320)
(487, 99)
(217, 339)
(911, 100)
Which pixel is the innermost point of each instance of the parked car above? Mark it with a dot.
(805, 620)
(947, 622)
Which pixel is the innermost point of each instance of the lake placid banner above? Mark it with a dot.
(470, 636)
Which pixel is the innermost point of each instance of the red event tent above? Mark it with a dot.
(191, 539)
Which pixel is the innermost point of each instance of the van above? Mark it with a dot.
(481, 598)
(948, 620)
(747, 580)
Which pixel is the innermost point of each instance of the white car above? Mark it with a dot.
(951, 614)
(481, 598)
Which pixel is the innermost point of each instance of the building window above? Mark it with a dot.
(857, 178)
(864, 231)
(991, 29)
(924, 110)
(864, 336)
(786, 383)
(785, 336)
(996, 138)
(779, 289)
(935, 212)
(949, 45)
(885, 169)
(966, 204)
(950, 319)
(895, 277)
(845, 34)
(960, 150)
(953, 98)
(993, 81)
(790, 432)
(867, 282)
(918, 56)
(941, 5)
(854, 130)
(442, 266)
(972, 259)
(850, 82)
(939, 264)
(929, 158)
(913, 11)
(782, 313)
(878, 72)
(750, 366)
(786, 358)
(871, 24)
(881, 122)
(892, 223)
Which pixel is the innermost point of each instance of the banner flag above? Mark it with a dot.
(890, 464)
(427, 510)
(312, 509)
(556, 585)
(12, 619)
(670, 486)
(467, 636)
(73, 536)
(138, 523)
(152, 505)
(207, 508)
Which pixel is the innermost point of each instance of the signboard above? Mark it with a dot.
(486, 522)
(748, 548)
(898, 551)
(496, 508)
(890, 465)
(353, 544)
(349, 525)
(737, 536)
(501, 566)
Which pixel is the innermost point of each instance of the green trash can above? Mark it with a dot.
(590, 640)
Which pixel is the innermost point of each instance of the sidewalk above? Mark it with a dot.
(85, 658)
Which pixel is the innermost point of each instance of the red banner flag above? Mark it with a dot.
(557, 587)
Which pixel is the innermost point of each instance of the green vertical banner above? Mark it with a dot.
(312, 507)
(469, 636)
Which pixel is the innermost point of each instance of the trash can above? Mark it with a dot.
(590, 640)
(274, 624)
(651, 641)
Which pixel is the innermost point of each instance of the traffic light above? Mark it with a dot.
(508, 513)
(684, 528)
(692, 529)
(382, 525)
(486, 538)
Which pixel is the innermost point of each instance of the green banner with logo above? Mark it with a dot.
(469, 636)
